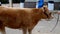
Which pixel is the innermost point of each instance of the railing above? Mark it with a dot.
(55, 12)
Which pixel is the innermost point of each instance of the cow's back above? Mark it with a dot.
(15, 18)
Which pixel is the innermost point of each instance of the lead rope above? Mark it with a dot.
(55, 24)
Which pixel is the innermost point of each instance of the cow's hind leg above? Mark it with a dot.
(2, 28)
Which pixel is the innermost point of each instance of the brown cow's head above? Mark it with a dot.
(45, 14)
(42, 13)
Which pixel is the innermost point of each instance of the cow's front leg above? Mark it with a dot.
(30, 31)
(24, 30)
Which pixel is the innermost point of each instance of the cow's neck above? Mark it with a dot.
(36, 18)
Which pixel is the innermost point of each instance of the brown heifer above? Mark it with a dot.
(25, 18)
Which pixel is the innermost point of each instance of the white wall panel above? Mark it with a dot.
(44, 0)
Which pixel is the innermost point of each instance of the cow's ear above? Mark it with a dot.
(44, 9)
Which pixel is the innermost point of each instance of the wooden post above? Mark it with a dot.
(10, 3)
(0, 3)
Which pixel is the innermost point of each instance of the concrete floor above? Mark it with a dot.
(43, 27)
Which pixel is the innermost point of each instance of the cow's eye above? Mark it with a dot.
(46, 14)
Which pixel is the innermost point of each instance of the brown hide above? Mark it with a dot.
(24, 18)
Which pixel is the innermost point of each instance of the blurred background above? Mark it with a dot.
(31, 3)
(43, 27)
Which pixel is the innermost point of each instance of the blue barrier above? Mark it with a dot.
(40, 3)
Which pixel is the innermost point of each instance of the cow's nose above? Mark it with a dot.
(49, 19)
